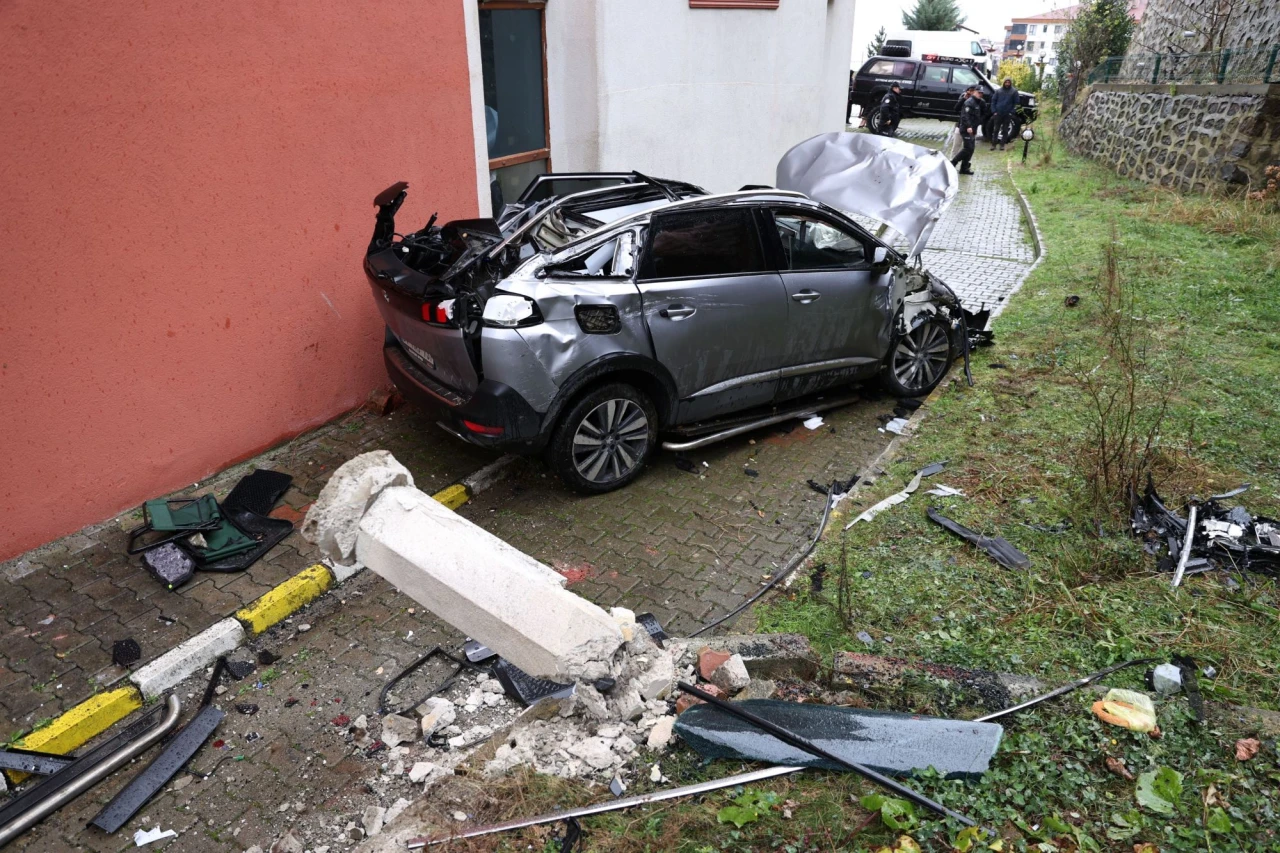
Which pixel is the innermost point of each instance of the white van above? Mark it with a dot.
(915, 44)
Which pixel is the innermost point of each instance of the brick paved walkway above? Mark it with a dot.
(680, 544)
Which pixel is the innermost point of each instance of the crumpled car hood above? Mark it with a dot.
(905, 186)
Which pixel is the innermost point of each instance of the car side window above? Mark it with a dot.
(936, 74)
(611, 259)
(812, 244)
(905, 70)
(882, 68)
(703, 243)
(964, 77)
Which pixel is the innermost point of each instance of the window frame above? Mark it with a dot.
(543, 153)
(767, 258)
(774, 240)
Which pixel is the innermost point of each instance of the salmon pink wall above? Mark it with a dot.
(185, 196)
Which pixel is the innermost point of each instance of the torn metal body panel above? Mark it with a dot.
(583, 324)
(907, 187)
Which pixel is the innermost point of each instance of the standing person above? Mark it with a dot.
(970, 121)
(1003, 104)
(890, 111)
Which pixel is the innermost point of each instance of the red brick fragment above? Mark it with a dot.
(341, 720)
(709, 661)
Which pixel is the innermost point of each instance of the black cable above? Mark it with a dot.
(784, 573)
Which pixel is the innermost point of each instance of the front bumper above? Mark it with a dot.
(493, 405)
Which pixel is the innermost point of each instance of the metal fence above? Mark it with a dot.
(1242, 66)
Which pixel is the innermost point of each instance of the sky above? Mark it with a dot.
(988, 17)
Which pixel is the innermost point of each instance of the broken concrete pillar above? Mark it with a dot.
(484, 587)
(333, 521)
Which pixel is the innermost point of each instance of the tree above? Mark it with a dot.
(877, 43)
(1022, 74)
(1102, 28)
(933, 15)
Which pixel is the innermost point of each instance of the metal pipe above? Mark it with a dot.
(813, 749)
(609, 806)
(1058, 691)
(696, 443)
(1186, 547)
(91, 777)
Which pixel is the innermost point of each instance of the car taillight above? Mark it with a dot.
(482, 429)
(440, 313)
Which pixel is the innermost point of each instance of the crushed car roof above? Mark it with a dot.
(907, 187)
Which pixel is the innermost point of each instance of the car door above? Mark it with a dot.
(835, 324)
(714, 307)
(933, 90)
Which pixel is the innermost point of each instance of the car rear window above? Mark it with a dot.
(703, 243)
(892, 68)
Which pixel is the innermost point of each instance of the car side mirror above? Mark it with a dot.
(879, 256)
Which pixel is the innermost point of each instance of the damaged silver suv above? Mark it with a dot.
(603, 310)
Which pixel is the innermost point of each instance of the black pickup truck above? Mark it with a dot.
(931, 88)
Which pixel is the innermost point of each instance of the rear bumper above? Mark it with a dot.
(493, 405)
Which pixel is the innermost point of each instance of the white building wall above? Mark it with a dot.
(711, 96)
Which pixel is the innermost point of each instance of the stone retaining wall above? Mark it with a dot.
(1190, 138)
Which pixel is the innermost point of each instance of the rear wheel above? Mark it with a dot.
(875, 120)
(604, 439)
(918, 360)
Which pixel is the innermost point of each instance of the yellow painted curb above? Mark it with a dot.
(75, 727)
(298, 591)
(454, 496)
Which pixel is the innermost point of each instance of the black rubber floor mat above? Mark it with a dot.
(267, 531)
(258, 492)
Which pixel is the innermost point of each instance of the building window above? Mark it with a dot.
(1031, 29)
(1057, 28)
(733, 4)
(513, 60)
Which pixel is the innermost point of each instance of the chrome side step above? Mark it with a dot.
(805, 411)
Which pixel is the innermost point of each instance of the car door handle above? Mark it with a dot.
(677, 312)
(806, 296)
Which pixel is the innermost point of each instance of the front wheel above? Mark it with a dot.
(875, 120)
(918, 360)
(604, 440)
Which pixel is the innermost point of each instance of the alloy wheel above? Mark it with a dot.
(921, 356)
(610, 441)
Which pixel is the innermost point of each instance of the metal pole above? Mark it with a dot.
(1222, 69)
(1026, 144)
(813, 749)
(1155, 75)
(83, 783)
(1271, 63)
(610, 806)
(1059, 691)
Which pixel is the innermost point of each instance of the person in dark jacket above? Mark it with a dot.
(1003, 105)
(890, 111)
(970, 120)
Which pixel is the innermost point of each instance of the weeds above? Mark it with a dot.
(1126, 402)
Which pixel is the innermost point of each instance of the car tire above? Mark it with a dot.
(604, 439)
(875, 120)
(918, 360)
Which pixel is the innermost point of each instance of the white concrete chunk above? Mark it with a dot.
(188, 657)
(484, 587)
(332, 522)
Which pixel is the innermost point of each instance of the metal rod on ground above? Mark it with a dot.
(1066, 688)
(609, 806)
(1186, 547)
(813, 749)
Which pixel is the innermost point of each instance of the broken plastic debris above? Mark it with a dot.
(1166, 679)
(892, 500)
(146, 836)
(1128, 709)
(617, 787)
(813, 422)
(125, 652)
(944, 492)
(896, 426)
(998, 548)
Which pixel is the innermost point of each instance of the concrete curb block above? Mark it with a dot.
(1036, 237)
(188, 657)
(78, 725)
(292, 595)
